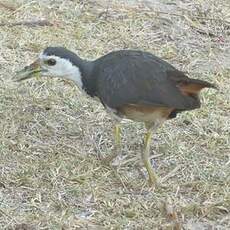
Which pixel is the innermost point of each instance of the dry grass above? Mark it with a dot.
(51, 136)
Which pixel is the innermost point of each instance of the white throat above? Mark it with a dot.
(75, 75)
(63, 69)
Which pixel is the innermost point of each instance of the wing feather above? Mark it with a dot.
(135, 77)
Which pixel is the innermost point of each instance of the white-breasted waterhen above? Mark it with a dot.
(131, 84)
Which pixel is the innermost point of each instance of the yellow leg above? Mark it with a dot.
(117, 144)
(146, 160)
(117, 136)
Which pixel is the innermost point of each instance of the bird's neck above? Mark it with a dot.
(75, 75)
(82, 76)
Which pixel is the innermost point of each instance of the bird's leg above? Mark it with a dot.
(117, 144)
(117, 137)
(145, 157)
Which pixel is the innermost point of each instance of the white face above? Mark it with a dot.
(59, 67)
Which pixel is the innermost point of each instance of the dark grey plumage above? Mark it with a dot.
(127, 76)
(132, 77)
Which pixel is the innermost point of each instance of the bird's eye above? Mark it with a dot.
(51, 62)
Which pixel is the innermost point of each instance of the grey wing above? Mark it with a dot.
(141, 81)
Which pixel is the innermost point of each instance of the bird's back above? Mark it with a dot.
(135, 77)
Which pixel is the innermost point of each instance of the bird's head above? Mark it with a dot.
(54, 62)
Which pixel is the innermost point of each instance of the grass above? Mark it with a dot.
(52, 136)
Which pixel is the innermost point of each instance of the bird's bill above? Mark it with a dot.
(30, 71)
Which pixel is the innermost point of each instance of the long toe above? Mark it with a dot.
(108, 160)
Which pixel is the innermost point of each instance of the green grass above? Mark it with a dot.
(52, 137)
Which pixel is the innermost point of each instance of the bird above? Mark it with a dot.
(130, 84)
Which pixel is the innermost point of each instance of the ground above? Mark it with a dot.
(52, 136)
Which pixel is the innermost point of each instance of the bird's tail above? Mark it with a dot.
(188, 86)
(194, 86)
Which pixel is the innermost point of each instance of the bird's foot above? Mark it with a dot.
(108, 160)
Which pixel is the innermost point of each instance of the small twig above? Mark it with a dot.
(198, 28)
(171, 214)
(7, 215)
(28, 23)
(192, 23)
(183, 16)
(8, 7)
(170, 174)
